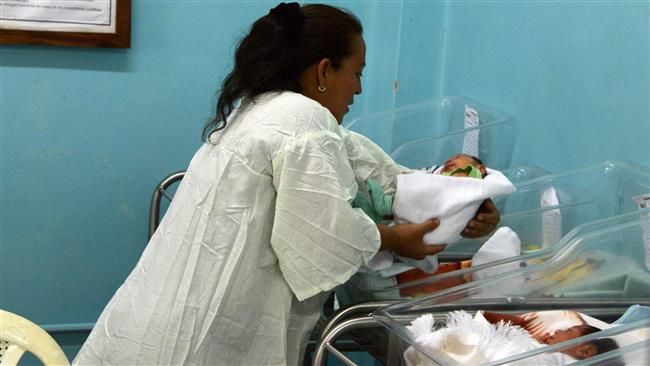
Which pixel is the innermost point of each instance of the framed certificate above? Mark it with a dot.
(80, 23)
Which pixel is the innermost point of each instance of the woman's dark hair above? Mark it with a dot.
(279, 47)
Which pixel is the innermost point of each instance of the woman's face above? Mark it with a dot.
(343, 83)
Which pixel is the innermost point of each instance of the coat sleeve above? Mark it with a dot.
(319, 239)
(369, 161)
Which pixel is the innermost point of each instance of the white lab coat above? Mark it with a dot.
(260, 227)
(369, 161)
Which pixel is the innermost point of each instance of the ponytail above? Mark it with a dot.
(279, 48)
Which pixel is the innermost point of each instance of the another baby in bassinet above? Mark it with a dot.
(490, 336)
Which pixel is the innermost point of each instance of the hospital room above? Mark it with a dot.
(349, 182)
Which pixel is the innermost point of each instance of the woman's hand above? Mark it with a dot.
(486, 220)
(406, 239)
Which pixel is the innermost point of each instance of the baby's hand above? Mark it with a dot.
(544, 338)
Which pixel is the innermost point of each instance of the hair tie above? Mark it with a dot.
(289, 18)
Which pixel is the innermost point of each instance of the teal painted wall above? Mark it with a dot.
(574, 73)
(85, 134)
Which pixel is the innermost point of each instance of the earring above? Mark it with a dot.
(322, 88)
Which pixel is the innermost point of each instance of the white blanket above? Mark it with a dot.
(453, 200)
(504, 243)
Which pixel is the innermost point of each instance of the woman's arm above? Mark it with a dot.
(369, 161)
(406, 239)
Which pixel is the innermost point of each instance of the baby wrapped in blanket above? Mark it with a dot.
(490, 336)
(452, 193)
(448, 195)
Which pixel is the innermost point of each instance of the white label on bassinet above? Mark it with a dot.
(470, 142)
(643, 201)
(551, 219)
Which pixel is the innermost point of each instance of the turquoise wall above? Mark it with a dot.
(87, 133)
(574, 73)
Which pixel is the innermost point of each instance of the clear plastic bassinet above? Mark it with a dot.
(492, 143)
(542, 211)
(602, 263)
(599, 269)
(392, 128)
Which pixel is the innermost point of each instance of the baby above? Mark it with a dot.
(376, 204)
(540, 332)
(452, 194)
(489, 337)
(582, 350)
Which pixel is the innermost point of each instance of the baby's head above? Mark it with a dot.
(463, 165)
(582, 350)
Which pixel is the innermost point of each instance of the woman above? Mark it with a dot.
(261, 226)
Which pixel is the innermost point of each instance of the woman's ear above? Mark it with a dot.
(324, 66)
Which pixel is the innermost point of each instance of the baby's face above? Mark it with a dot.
(461, 161)
(578, 351)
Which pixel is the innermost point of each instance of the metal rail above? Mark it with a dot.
(326, 343)
(158, 194)
(364, 308)
(603, 308)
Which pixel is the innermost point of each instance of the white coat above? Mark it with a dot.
(260, 227)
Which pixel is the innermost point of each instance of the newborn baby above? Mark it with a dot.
(556, 326)
(490, 336)
(450, 193)
(379, 206)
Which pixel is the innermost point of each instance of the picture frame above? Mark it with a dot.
(120, 37)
